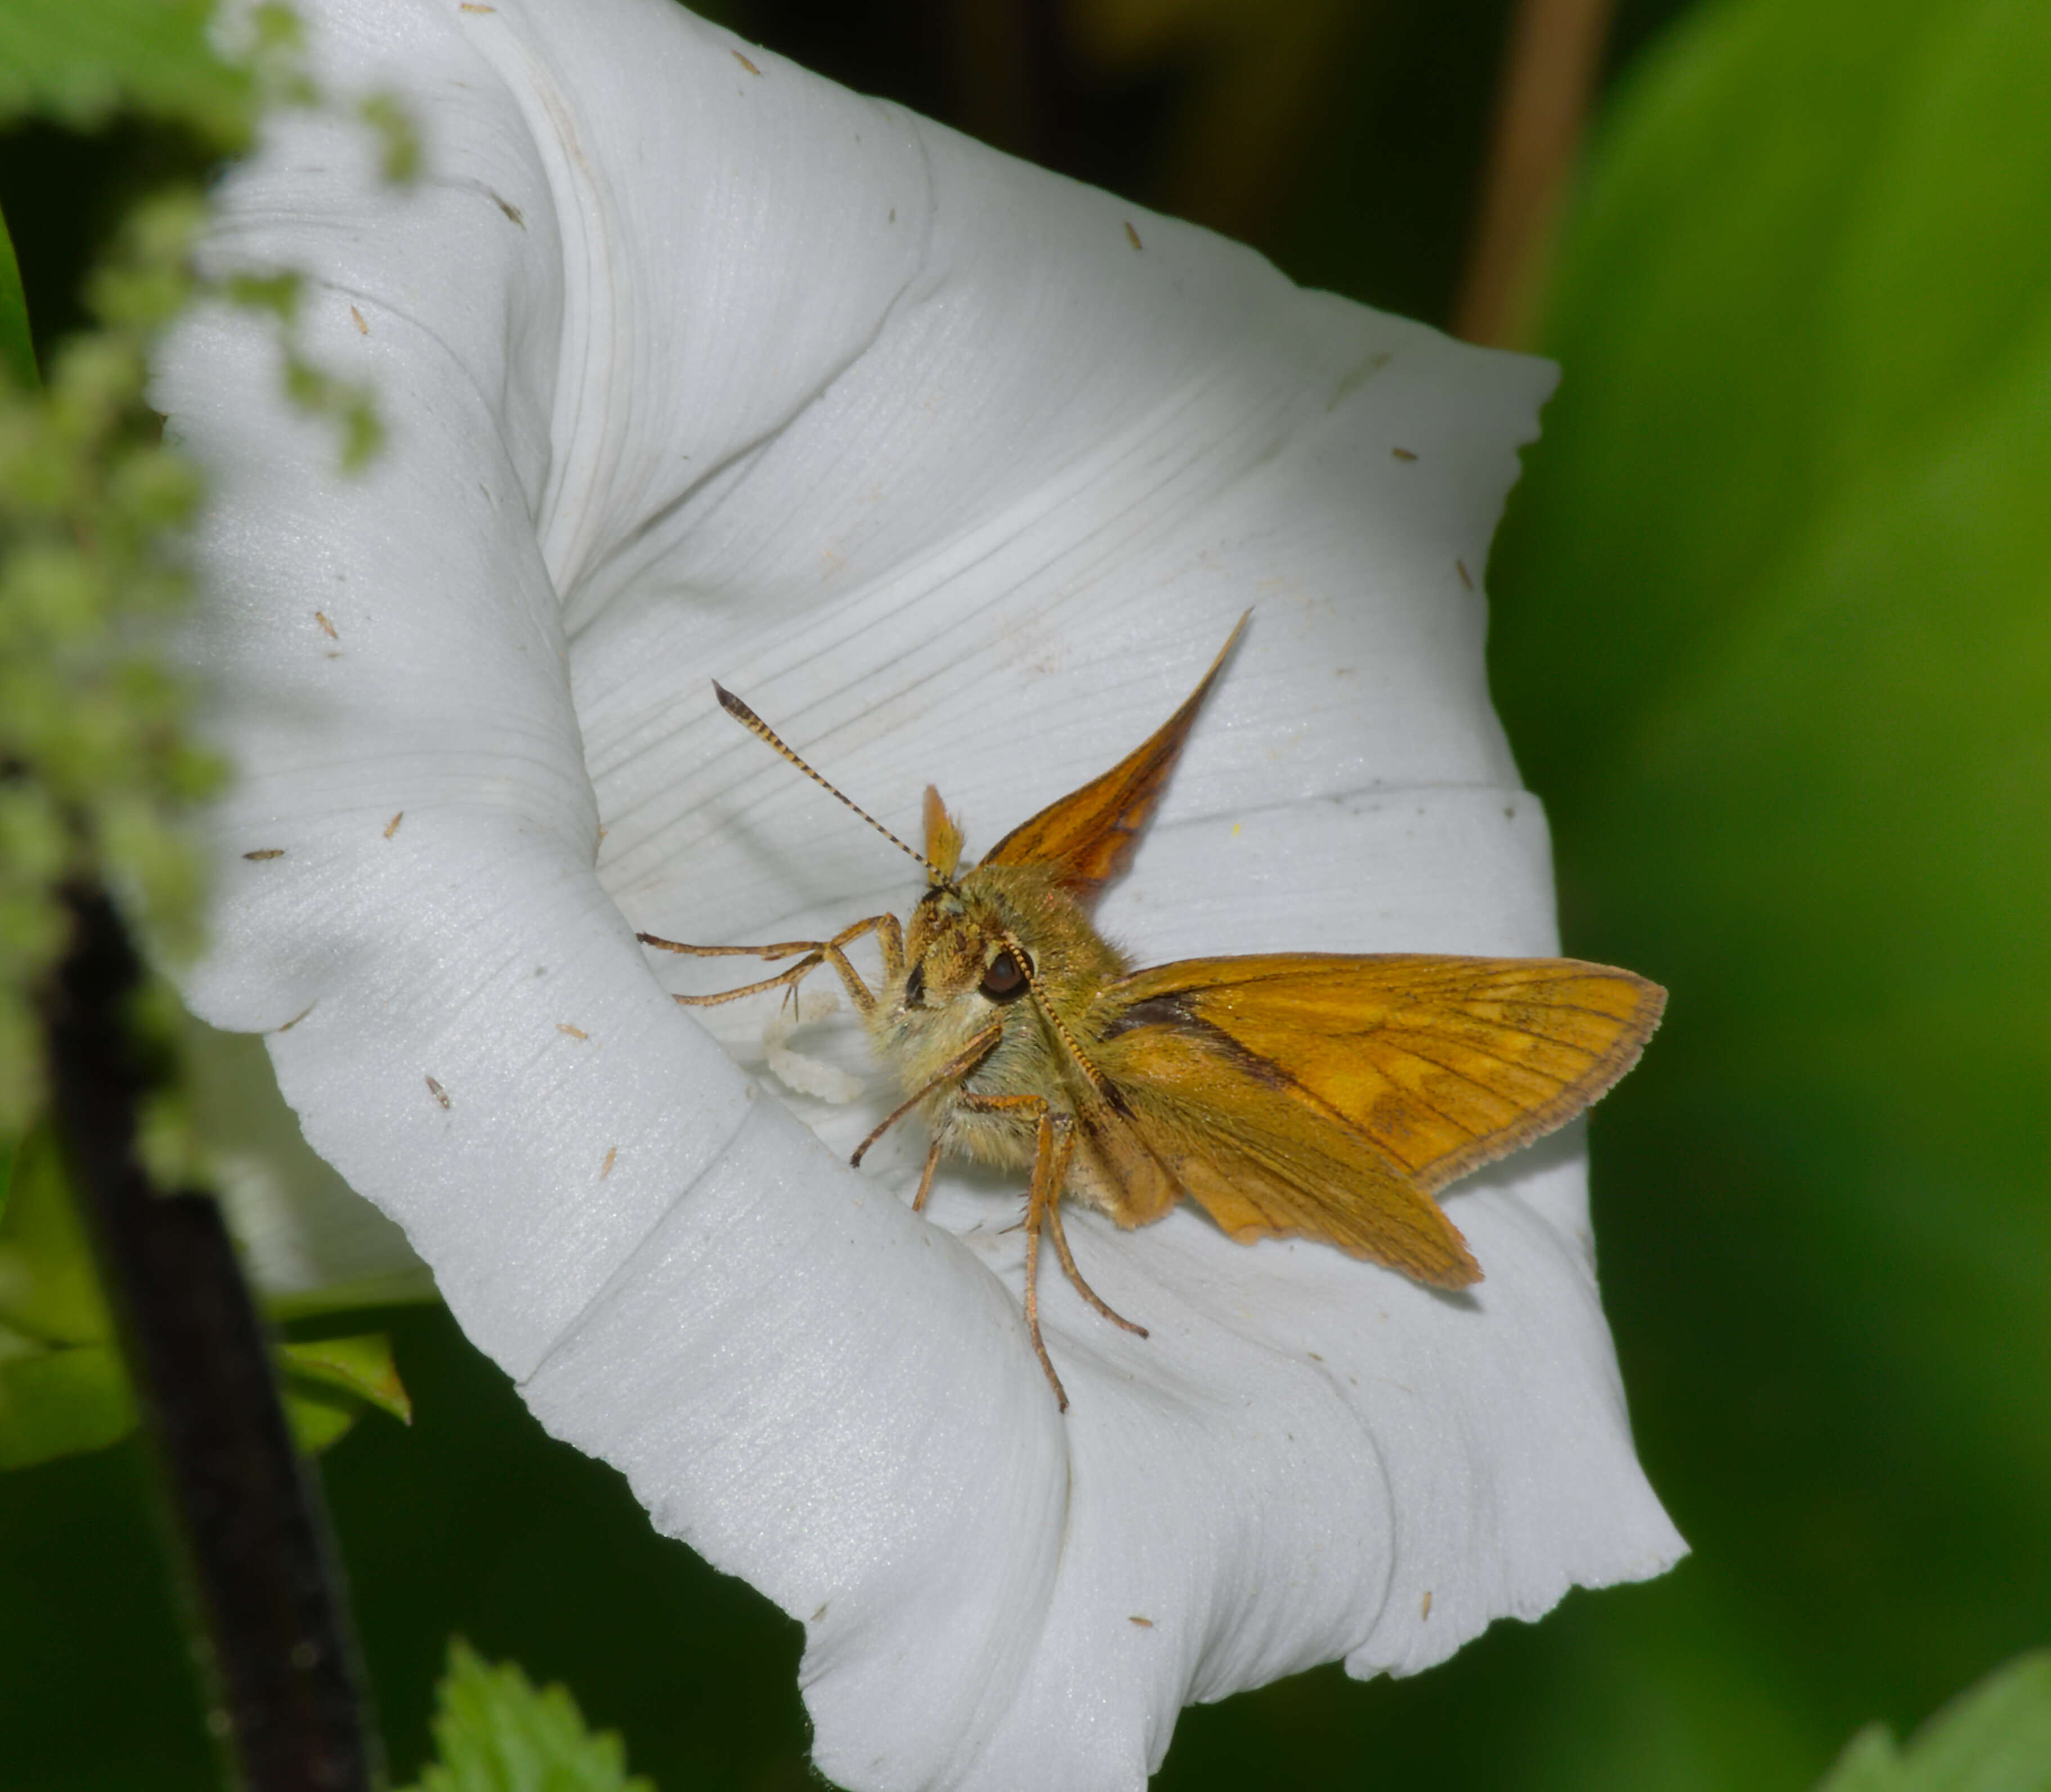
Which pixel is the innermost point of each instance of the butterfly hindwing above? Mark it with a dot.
(1330, 1096)
(1238, 1144)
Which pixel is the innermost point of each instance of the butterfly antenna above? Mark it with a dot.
(756, 726)
(1022, 958)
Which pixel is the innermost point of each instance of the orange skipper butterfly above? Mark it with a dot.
(1313, 1094)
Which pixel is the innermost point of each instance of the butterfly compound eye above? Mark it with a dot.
(1006, 979)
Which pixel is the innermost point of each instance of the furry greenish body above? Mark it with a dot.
(933, 1005)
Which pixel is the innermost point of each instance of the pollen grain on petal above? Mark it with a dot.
(1404, 454)
(1466, 579)
(1132, 237)
(745, 64)
(391, 826)
(438, 1091)
(263, 852)
(612, 1158)
(328, 627)
(362, 329)
(575, 1032)
(1143, 1623)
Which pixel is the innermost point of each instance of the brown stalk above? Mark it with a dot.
(1549, 75)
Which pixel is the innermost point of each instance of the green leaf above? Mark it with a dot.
(1871, 1762)
(80, 63)
(1996, 1737)
(319, 1420)
(327, 1384)
(59, 1401)
(1771, 640)
(495, 1733)
(361, 1367)
(17, 350)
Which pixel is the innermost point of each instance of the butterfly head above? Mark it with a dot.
(1004, 944)
(962, 950)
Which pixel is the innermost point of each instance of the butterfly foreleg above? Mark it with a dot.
(817, 952)
(890, 938)
(961, 1064)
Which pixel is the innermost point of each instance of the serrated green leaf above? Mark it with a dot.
(494, 1733)
(1996, 1737)
(359, 1367)
(17, 352)
(60, 1400)
(79, 64)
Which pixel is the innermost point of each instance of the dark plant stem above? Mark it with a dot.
(244, 1508)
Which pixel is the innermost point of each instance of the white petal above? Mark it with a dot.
(308, 1240)
(957, 471)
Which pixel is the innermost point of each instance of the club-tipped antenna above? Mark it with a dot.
(756, 726)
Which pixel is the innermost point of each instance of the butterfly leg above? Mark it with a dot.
(817, 952)
(956, 1068)
(1068, 1267)
(885, 926)
(926, 1175)
(1054, 1144)
(890, 937)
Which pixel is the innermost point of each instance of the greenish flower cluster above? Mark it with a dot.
(99, 766)
(96, 761)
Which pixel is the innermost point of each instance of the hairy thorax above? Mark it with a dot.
(962, 976)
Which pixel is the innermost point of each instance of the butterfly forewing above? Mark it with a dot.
(1361, 1085)
(1089, 837)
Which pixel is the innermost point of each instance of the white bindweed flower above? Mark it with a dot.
(693, 365)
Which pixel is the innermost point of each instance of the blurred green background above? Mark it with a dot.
(1772, 640)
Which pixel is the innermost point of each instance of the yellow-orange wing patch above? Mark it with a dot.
(1260, 1164)
(1087, 838)
(1330, 1096)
